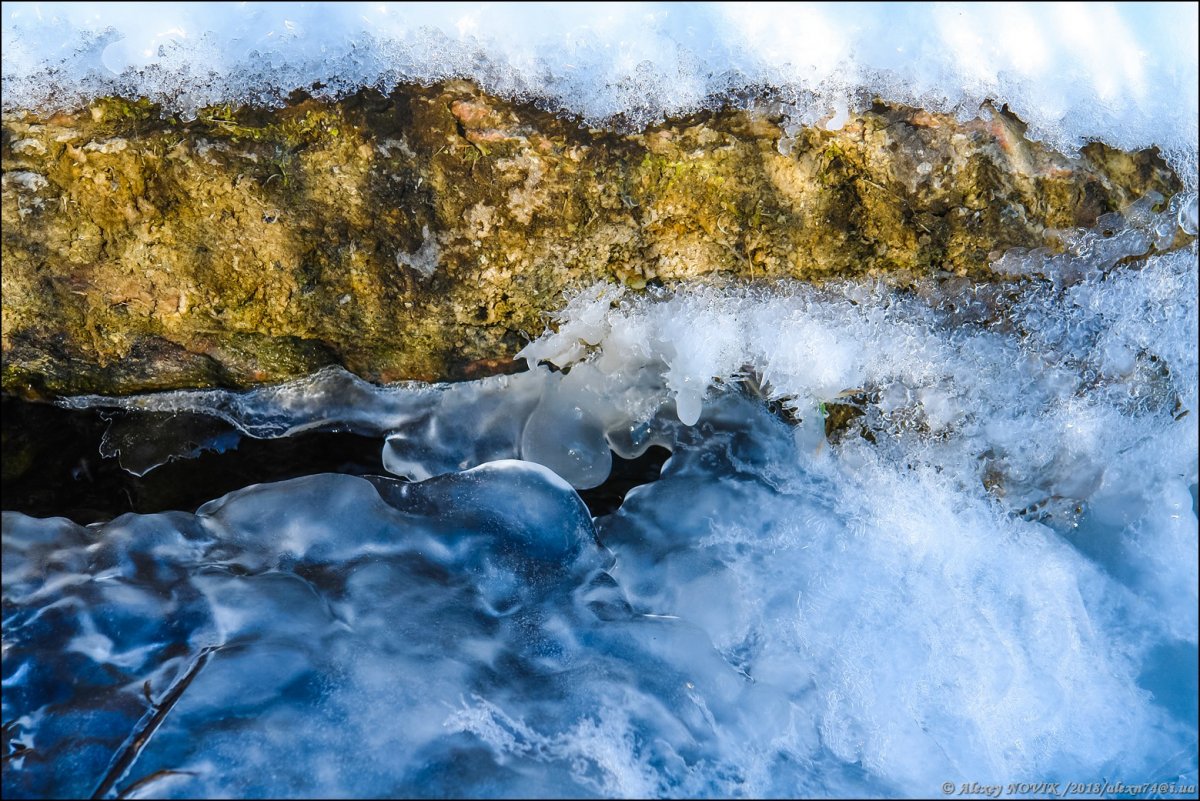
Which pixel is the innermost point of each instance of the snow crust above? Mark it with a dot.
(1123, 72)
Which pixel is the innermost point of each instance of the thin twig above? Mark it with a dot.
(135, 744)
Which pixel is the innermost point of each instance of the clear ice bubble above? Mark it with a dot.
(563, 436)
(688, 405)
(1188, 215)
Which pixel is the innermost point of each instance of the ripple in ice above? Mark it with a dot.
(757, 622)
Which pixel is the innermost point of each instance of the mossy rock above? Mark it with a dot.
(426, 234)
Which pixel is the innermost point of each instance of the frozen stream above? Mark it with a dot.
(903, 539)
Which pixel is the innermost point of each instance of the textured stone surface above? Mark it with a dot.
(426, 234)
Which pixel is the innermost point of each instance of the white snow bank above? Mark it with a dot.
(1126, 73)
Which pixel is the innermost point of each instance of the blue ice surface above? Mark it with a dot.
(741, 627)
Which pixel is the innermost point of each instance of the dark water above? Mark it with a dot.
(56, 462)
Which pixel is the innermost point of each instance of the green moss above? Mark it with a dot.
(117, 116)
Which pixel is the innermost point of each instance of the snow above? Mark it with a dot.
(1123, 72)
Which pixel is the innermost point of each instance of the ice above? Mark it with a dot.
(532, 512)
(435, 438)
(1124, 72)
(1187, 216)
(562, 434)
(149, 441)
(284, 595)
(760, 621)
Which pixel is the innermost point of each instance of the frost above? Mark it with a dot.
(26, 180)
(28, 146)
(1124, 73)
(425, 258)
(1134, 231)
